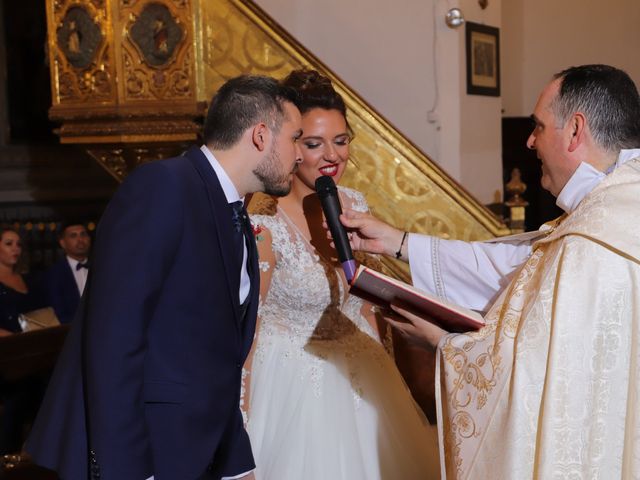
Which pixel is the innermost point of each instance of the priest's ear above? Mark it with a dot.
(578, 129)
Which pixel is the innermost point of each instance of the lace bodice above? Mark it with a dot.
(306, 298)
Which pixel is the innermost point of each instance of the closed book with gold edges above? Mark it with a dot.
(383, 290)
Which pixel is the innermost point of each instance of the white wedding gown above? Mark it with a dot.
(326, 401)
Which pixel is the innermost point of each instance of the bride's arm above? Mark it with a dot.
(355, 200)
(267, 261)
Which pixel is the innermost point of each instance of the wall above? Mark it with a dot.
(480, 119)
(546, 36)
(403, 60)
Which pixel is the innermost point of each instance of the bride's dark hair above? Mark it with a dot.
(315, 91)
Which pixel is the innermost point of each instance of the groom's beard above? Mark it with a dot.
(275, 181)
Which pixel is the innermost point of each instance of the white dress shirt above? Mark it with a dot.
(79, 274)
(232, 195)
(472, 274)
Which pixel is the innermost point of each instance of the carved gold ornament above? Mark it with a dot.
(160, 63)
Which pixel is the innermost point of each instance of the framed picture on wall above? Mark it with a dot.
(483, 59)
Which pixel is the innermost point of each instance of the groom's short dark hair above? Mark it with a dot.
(243, 102)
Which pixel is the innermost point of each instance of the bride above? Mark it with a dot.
(323, 397)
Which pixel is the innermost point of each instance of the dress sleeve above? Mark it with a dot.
(266, 262)
(355, 200)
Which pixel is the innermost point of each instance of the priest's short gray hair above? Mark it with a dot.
(609, 100)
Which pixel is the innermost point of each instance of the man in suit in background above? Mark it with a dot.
(148, 383)
(66, 279)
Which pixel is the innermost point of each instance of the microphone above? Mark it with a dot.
(328, 195)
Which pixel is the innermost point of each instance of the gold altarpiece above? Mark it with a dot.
(131, 79)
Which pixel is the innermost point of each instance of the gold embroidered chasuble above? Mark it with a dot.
(550, 387)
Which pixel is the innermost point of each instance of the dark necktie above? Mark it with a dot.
(239, 225)
(237, 215)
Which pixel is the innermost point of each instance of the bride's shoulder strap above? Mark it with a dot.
(353, 199)
(262, 204)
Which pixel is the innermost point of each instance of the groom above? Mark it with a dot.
(148, 383)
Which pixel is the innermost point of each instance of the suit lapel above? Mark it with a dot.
(224, 226)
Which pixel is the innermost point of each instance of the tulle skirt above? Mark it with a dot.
(335, 409)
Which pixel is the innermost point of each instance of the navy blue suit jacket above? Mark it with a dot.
(159, 335)
(61, 290)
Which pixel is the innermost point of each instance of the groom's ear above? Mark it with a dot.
(260, 136)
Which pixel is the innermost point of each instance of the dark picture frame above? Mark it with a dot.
(483, 59)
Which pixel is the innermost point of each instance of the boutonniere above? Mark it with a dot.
(257, 230)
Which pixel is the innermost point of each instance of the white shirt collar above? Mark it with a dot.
(626, 155)
(73, 263)
(79, 275)
(585, 179)
(230, 191)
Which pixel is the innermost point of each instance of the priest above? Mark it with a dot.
(550, 387)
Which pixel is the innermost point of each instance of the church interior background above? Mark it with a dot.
(89, 89)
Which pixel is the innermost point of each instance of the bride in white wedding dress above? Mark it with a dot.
(323, 396)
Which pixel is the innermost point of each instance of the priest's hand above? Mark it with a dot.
(417, 330)
(370, 234)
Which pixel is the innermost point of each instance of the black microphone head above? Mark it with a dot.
(325, 185)
(328, 196)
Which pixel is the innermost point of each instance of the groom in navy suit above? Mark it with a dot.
(148, 383)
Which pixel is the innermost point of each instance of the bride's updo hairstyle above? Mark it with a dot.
(316, 91)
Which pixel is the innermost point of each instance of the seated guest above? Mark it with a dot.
(65, 280)
(17, 295)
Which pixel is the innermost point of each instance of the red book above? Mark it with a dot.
(382, 290)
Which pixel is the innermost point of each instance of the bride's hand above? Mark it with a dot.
(419, 331)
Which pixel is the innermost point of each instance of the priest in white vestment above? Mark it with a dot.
(550, 387)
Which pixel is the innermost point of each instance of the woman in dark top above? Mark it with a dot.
(15, 295)
(19, 399)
